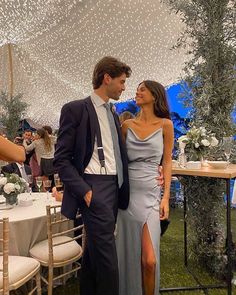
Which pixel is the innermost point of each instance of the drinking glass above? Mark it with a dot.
(58, 183)
(30, 183)
(182, 160)
(47, 185)
(227, 146)
(39, 182)
(56, 176)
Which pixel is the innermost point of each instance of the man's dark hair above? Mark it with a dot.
(28, 130)
(111, 66)
(18, 140)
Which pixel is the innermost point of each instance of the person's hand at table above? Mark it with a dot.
(57, 195)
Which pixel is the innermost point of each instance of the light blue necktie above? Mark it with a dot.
(116, 146)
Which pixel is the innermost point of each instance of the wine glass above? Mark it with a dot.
(58, 184)
(56, 176)
(30, 183)
(39, 182)
(47, 185)
(227, 146)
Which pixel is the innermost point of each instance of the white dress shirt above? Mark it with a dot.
(94, 166)
(22, 172)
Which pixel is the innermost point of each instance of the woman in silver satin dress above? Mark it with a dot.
(149, 140)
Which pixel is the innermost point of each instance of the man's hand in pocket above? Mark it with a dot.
(88, 198)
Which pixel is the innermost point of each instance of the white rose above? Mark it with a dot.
(182, 145)
(17, 187)
(214, 141)
(196, 145)
(205, 142)
(9, 188)
(203, 130)
(3, 181)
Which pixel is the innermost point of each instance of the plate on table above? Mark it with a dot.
(4, 206)
(27, 196)
(217, 164)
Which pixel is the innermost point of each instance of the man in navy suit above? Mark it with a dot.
(20, 169)
(92, 163)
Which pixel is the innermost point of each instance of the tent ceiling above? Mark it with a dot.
(57, 43)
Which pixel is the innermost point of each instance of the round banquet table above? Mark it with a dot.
(28, 224)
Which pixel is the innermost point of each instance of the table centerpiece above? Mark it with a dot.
(11, 185)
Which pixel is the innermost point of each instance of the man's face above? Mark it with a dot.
(115, 86)
(27, 135)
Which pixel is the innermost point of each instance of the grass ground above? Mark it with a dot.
(173, 273)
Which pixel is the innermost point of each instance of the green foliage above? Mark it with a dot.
(12, 110)
(210, 89)
(205, 219)
(210, 86)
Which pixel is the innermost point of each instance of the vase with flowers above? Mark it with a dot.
(197, 142)
(11, 185)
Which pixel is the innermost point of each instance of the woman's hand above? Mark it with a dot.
(160, 178)
(164, 209)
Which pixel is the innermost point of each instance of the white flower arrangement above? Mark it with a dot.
(197, 141)
(12, 184)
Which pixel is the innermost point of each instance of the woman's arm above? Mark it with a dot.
(11, 152)
(168, 134)
(29, 147)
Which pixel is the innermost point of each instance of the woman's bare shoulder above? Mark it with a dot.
(167, 123)
(168, 127)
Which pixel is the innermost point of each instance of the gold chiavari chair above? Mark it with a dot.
(60, 248)
(15, 271)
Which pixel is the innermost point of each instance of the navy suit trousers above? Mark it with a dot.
(99, 275)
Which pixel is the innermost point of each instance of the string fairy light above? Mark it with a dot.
(57, 43)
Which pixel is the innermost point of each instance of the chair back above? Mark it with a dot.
(4, 252)
(60, 226)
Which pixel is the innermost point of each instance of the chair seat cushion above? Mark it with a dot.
(61, 253)
(18, 268)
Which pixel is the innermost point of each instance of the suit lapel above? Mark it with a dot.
(117, 123)
(121, 142)
(15, 169)
(93, 119)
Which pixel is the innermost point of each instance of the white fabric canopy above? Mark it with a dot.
(57, 43)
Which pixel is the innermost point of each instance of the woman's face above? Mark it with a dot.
(143, 95)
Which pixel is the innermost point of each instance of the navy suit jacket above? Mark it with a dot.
(74, 149)
(13, 168)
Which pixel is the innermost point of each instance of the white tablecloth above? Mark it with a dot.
(28, 225)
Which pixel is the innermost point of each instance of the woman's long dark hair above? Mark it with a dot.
(161, 107)
(47, 140)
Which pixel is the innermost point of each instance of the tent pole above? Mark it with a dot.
(9, 47)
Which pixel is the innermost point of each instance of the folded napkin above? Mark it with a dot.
(234, 194)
